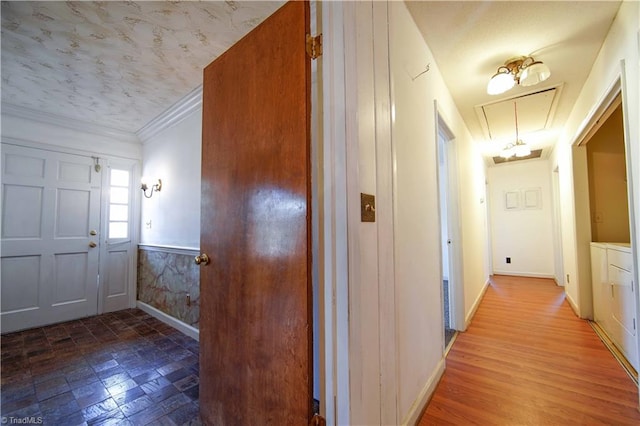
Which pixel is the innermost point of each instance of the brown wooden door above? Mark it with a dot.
(255, 318)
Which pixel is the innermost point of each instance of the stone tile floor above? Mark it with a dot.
(120, 368)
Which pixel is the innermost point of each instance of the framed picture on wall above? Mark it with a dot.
(532, 198)
(512, 200)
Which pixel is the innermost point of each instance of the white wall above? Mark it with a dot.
(174, 155)
(416, 222)
(622, 43)
(525, 235)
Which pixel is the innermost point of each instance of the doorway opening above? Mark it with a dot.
(449, 232)
(604, 224)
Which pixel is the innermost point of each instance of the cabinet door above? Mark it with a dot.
(600, 286)
(623, 313)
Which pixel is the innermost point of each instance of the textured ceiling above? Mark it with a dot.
(117, 64)
(471, 39)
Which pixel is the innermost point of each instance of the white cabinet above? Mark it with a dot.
(600, 283)
(614, 297)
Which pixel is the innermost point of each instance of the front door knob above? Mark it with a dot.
(92, 244)
(202, 259)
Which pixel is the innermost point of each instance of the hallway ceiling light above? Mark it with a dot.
(517, 148)
(524, 71)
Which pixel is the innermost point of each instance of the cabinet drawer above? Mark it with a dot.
(618, 276)
(621, 259)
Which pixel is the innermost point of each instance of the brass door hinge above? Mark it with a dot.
(318, 420)
(314, 46)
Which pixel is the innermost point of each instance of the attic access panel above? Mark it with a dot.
(535, 112)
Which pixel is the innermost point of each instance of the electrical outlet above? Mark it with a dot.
(148, 224)
(508, 260)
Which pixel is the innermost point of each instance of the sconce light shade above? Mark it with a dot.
(535, 73)
(155, 187)
(500, 82)
(524, 71)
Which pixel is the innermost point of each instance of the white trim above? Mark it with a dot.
(591, 119)
(69, 123)
(524, 274)
(413, 416)
(446, 142)
(385, 180)
(334, 272)
(67, 149)
(476, 305)
(189, 251)
(169, 320)
(182, 109)
(573, 305)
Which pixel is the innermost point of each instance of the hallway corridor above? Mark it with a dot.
(527, 359)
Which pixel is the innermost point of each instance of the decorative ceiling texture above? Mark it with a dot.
(114, 63)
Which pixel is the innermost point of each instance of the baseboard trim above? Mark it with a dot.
(573, 304)
(189, 251)
(475, 306)
(168, 319)
(525, 274)
(617, 353)
(419, 405)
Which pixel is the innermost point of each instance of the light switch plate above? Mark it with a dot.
(367, 208)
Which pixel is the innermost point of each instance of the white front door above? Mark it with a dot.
(117, 259)
(50, 242)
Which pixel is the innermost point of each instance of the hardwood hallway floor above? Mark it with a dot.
(527, 359)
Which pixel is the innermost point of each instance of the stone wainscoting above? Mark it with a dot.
(169, 280)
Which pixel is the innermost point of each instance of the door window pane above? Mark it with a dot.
(118, 212)
(118, 229)
(119, 177)
(119, 204)
(119, 195)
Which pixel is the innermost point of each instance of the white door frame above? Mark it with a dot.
(446, 147)
(617, 86)
(131, 243)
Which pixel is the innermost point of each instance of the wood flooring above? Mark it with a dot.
(527, 359)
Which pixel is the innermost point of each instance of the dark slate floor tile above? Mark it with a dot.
(174, 376)
(53, 387)
(136, 405)
(193, 393)
(164, 393)
(121, 368)
(185, 414)
(128, 396)
(187, 382)
(99, 409)
(155, 384)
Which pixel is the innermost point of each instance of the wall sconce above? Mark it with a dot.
(155, 187)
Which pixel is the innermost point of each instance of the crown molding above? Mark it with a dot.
(172, 116)
(69, 123)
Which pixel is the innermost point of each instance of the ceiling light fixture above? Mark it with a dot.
(524, 71)
(517, 148)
